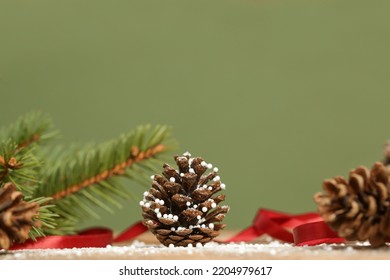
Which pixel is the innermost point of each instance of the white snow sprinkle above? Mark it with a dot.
(195, 206)
(213, 205)
(190, 245)
(191, 170)
(175, 217)
(203, 226)
(181, 174)
(216, 178)
(147, 204)
(203, 163)
(161, 202)
(209, 166)
(223, 186)
(172, 229)
(146, 193)
(142, 203)
(199, 245)
(159, 215)
(172, 180)
(211, 225)
(204, 209)
(198, 217)
(210, 188)
(187, 154)
(157, 200)
(170, 216)
(188, 203)
(215, 169)
(171, 245)
(165, 216)
(152, 177)
(157, 210)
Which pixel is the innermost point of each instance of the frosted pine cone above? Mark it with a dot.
(181, 208)
(16, 216)
(358, 209)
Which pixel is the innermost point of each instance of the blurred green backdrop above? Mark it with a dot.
(278, 94)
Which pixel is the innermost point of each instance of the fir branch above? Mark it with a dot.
(29, 129)
(19, 167)
(46, 217)
(89, 178)
(119, 169)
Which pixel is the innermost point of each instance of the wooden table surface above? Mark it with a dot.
(146, 247)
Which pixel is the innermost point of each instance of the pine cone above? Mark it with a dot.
(16, 216)
(181, 208)
(358, 209)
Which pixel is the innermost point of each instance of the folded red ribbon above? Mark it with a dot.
(301, 229)
(94, 237)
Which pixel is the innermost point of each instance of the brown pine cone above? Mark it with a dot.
(358, 209)
(181, 208)
(16, 216)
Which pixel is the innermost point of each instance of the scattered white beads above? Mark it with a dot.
(198, 217)
(146, 193)
(191, 227)
(141, 203)
(191, 170)
(152, 177)
(161, 202)
(210, 188)
(195, 206)
(187, 154)
(170, 216)
(175, 218)
(203, 163)
(203, 226)
(147, 204)
(223, 186)
(181, 174)
(165, 216)
(157, 210)
(213, 205)
(172, 180)
(172, 229)
(209, 166)
(171, 245)
(204, 209)
(216, 178)
(190, 161)
(188, 203)
(157, 200)
(199, 245)
(159, 215)
(215, 169)
(189, 245)
(204, 186)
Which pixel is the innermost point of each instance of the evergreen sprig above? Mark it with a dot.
(29, 129)
(68, 183)
(93, 175)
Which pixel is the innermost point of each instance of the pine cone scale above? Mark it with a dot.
(358, 208)
(16, 216)
(181, 208)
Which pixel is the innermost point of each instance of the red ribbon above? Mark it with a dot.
(301, 229)
(94, 237)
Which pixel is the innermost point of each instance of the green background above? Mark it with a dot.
(278, 94)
